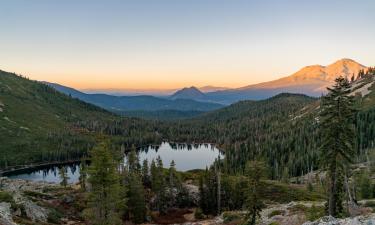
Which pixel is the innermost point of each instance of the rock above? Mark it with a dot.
(17, 212)
(67, 199)
(17, 188)
(5, 214)
(359, 220)
(193, 192)
(35, 212)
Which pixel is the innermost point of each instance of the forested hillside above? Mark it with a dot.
(273, 139)
(272, 128)
(39, 124)
(283, 130)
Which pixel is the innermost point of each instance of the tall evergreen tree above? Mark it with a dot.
(133, 161)
(155, 180)
(134, 188)
(146, 174)
(163, 198)
(83, 174)
(255, 172)
(63, 176)
(336, 123)
(172, 175)
(136, 199)
(104, 199)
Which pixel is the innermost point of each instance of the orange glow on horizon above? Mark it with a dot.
(142, 81)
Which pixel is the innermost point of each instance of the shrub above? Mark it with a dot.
(273, 223)
(199, 214)
(276, 212)
(231, 216)
(54, 216)
(315, 212)
(6, 197)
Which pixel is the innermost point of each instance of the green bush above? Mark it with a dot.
(199, 214)
(274, 223)
(5, 197)
(315, 212)
(54, 216)
(231, 216)
(276, 212)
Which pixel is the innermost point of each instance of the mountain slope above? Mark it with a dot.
(310, 80)
(137, 103)
(282, 130)
(316, 77)
(40, 124)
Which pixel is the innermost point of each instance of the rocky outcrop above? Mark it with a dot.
(17, 188)
(193, 192)
(359, 220)
(35, 212)
(5, 214)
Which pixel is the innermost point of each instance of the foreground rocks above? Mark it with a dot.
(34, 201)
(5, 214)
(18, 188)
(359, 220)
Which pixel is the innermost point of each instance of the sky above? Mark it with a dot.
(163, 44)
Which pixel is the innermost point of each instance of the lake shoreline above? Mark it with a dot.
(30, 167)
(186, 156)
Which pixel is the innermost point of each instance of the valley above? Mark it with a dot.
(199, 112)
(191, 101)
(282, 130)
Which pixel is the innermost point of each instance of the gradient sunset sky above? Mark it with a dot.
(177, 43)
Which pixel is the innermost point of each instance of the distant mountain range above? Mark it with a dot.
(153, 91)
(310, 80)
(121, 104)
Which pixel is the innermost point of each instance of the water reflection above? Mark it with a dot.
(49, 174)
(186, 157)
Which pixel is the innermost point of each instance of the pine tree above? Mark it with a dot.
(83, 174)
(172, 175)
(136, 199)
(133, 161)
(104, 199)
(134, 187)
(209, 192)
(365, 186)
(63, 176)
(336, 123)
(155, 180)
(162, 195)
(146, 174)
(203, 201)
(255, 171)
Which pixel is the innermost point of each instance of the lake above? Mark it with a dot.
(186, 157)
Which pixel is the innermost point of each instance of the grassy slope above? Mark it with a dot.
(32, 112)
